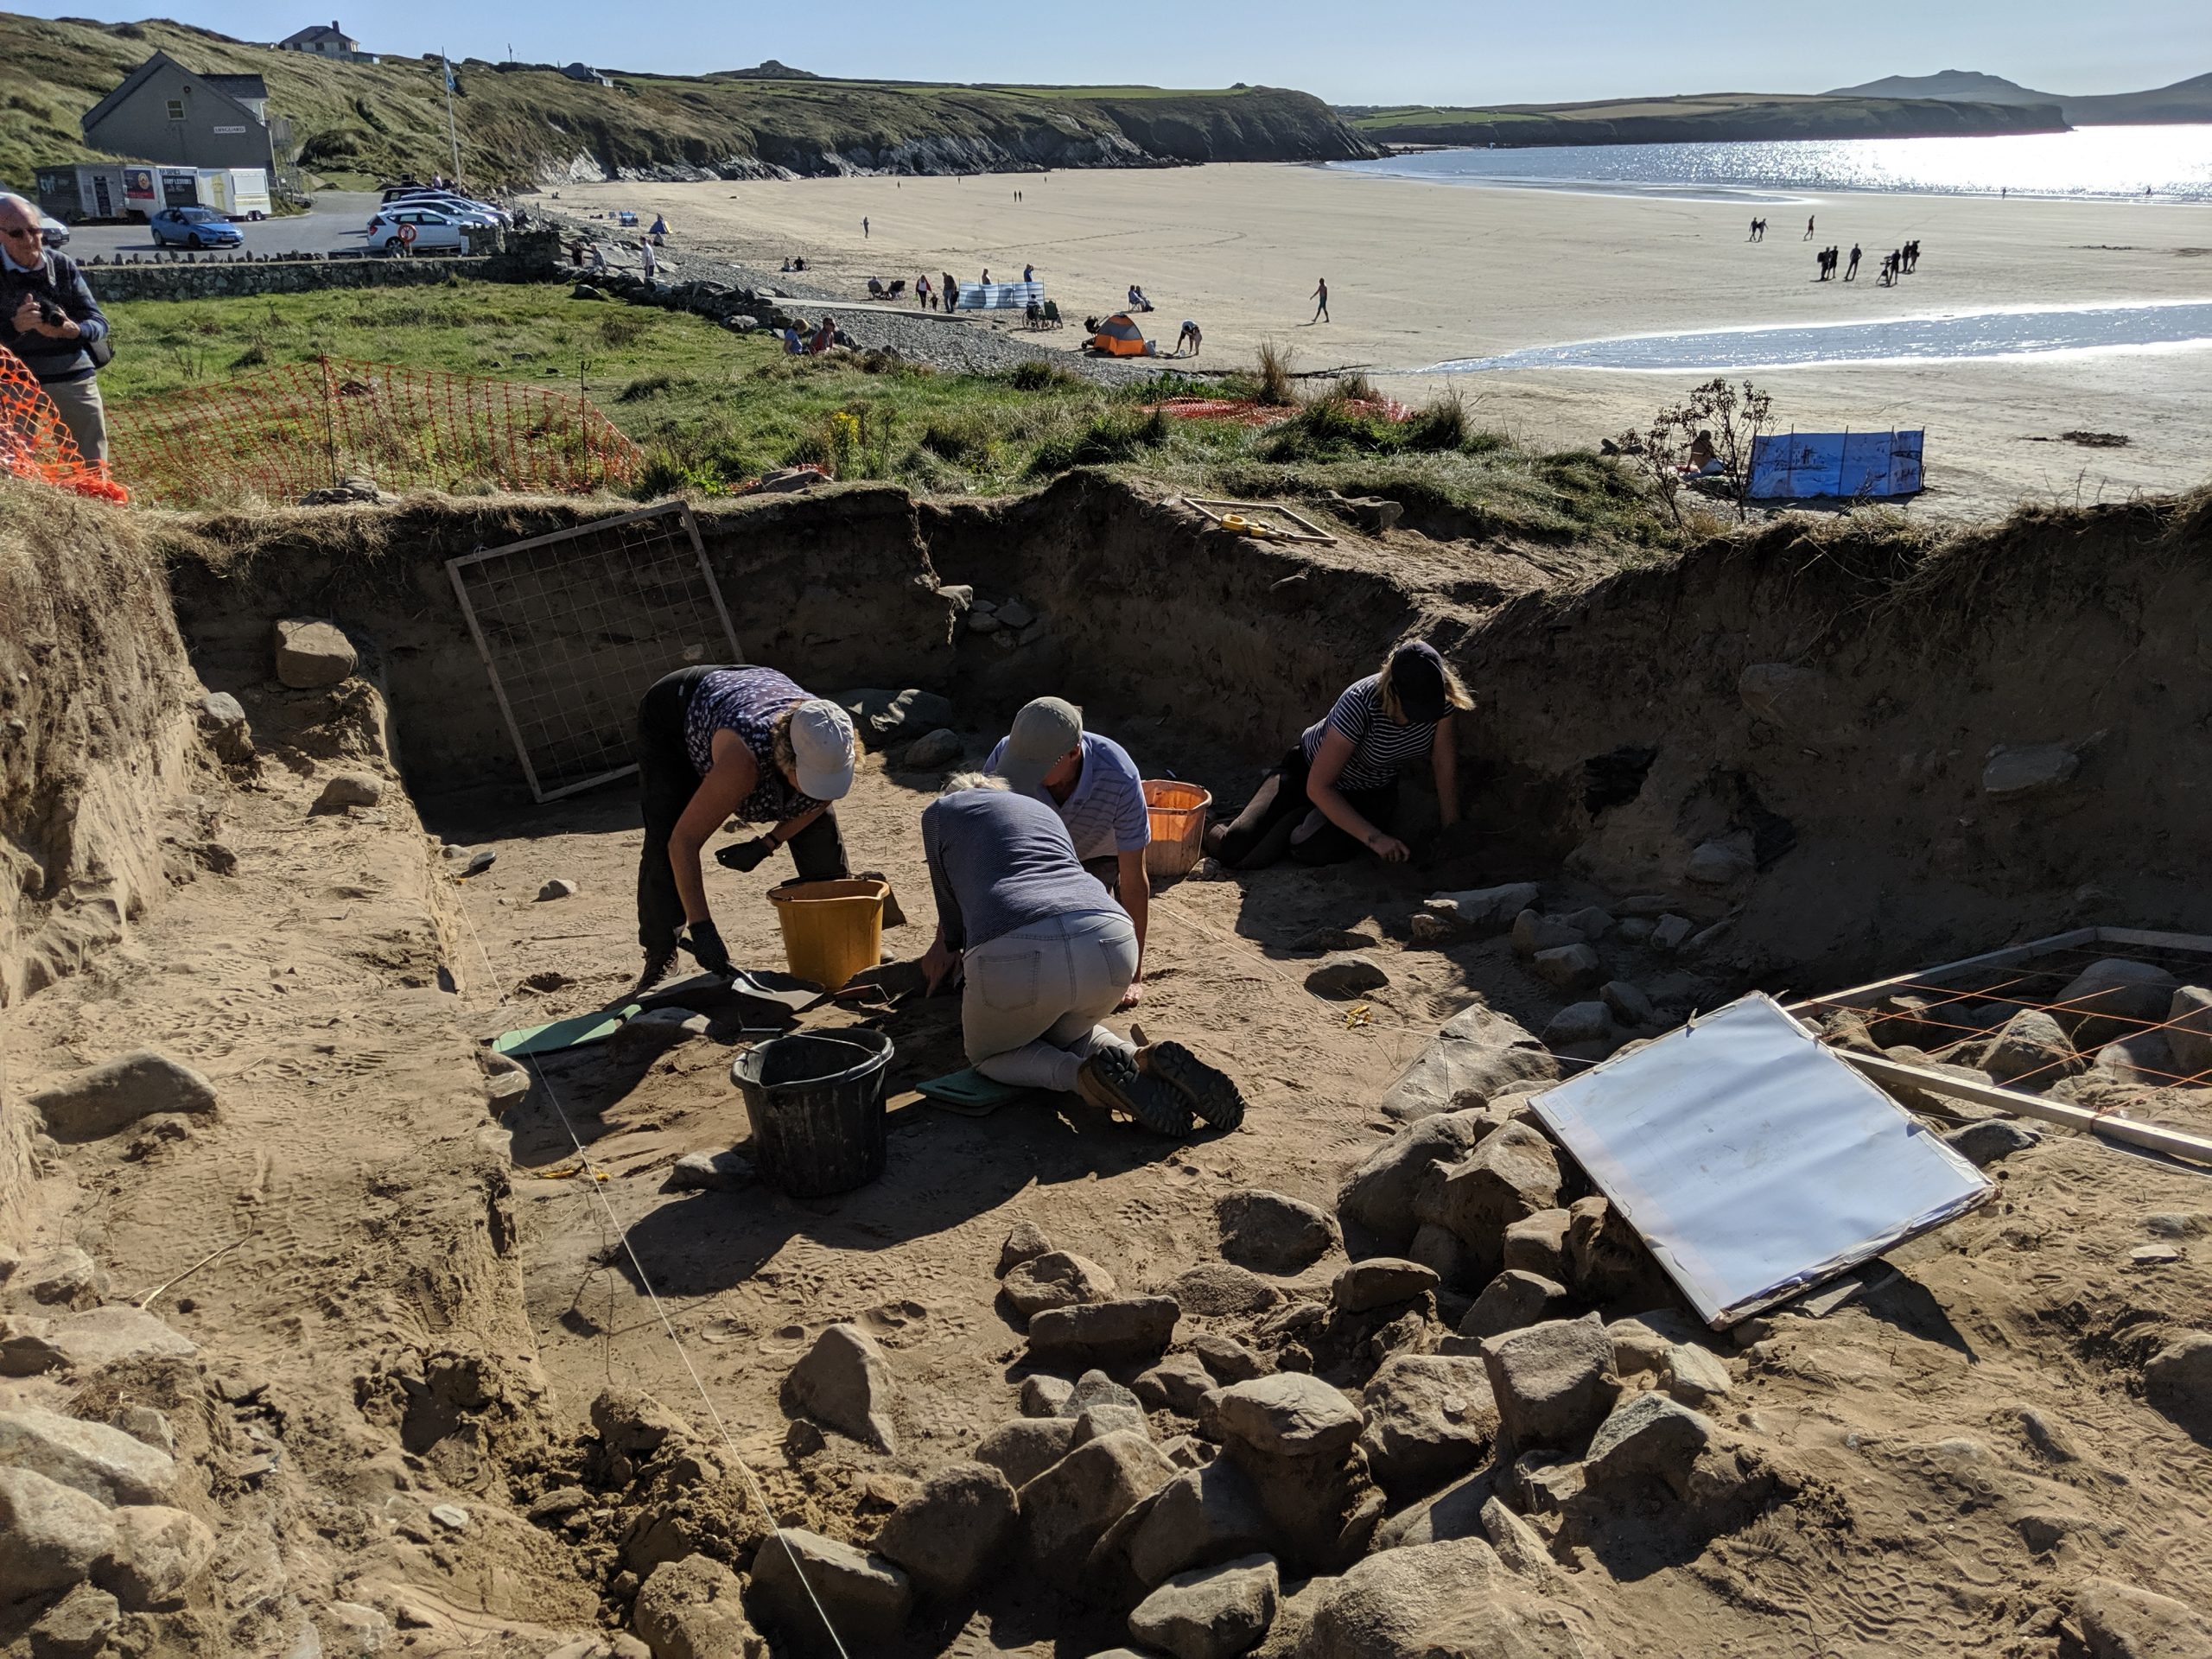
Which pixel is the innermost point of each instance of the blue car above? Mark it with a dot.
(194, 227)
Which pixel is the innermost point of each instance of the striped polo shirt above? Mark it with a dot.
(1105, 812)
(1381, 748)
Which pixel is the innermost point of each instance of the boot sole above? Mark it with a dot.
(1213, 1094)
(1116, 1083)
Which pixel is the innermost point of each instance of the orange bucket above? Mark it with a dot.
(832, 930)
(1177, 812)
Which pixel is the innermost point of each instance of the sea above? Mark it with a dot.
(2162, 164)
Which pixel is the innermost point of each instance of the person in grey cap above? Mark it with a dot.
(1093, 784)
(1045, 955)
(718, 743)
(1335, 792)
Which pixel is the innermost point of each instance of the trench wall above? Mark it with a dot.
(95, 740)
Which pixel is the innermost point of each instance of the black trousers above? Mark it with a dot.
(666, 782)
(1266, 828)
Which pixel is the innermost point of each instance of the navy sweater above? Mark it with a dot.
(59, 281)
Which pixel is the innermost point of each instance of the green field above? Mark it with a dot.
(712, 409)
(358, 123)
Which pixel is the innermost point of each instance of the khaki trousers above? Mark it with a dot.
(82, 412)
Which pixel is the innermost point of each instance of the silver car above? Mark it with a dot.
(434, 230)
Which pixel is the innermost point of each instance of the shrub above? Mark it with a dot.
(623, 327)
(1440, 425)
(1358, 387)
(644, 386)
(1274, 386)
(1108, 438)
(1037, 375)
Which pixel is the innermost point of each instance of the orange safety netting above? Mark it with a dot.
(36, 444)
(281, 431)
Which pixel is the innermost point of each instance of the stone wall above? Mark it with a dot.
(527, 258)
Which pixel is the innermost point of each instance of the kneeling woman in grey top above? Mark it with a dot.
(1047, 954)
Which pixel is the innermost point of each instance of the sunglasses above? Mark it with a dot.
(30, 231)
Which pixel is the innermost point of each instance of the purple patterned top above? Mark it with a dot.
(747, 701)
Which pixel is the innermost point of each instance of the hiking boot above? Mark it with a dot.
(1111, 1079)
(1213, 1093)
(658, 960)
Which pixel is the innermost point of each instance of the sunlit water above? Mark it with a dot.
(2173, 163)
(1903, 339)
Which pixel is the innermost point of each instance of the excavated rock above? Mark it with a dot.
(1552, 1382)
(844, 1382)
(1478, 1052)
(948, 1535)
(1385, 1193)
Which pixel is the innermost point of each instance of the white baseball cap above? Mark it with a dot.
(822, 742)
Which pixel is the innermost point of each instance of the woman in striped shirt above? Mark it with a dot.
(1336, 791)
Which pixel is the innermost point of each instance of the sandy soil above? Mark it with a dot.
(1421, 273)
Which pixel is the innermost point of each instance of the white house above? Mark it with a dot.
(319, 42)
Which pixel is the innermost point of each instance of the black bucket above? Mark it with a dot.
(816, 1105)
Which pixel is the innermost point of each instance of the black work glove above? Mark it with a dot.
(704, 942)
(745, 854)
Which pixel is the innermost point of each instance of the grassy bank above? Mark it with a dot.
(712, 409)
(1702, 117)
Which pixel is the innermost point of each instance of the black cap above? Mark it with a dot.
(1417, 676)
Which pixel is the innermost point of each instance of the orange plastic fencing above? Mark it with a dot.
(35, 444)
(279, 432)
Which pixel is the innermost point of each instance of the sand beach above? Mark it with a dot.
(1423, 273)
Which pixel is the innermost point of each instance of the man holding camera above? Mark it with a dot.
(49, 319)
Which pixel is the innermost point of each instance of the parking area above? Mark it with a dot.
(334, 225)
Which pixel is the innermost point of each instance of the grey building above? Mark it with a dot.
(332, 43)
(585, 72)
(165, 112)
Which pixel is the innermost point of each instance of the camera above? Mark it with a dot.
(51, 315)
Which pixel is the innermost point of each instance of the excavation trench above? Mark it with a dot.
(1837, 749)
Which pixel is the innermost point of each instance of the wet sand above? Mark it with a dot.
(1421, 273)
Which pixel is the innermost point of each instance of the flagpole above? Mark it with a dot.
(453, 133)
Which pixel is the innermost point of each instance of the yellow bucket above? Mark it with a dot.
(832, 930)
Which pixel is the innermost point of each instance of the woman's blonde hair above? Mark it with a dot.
(1455, 689)
(786, 756)
(961, 781)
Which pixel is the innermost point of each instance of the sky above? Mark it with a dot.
(1366, 52)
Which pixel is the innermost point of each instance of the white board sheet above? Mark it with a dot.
(1753, 1162)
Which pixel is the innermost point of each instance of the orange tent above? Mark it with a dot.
(1118, 337)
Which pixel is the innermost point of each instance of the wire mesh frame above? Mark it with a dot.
(577, 656)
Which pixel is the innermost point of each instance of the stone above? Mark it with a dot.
(1592, 922)
(1221, 1290)
(1552, 1382)
(451, 1516)
(352, 1629)
(91, 1104)
(2190, 1035)
(844, 1382)
(1455, 1512)
(1544, 1483)
(1511, 1175)
(1383, 1193)
(2178, 1380)
(1488, 910)
(1629, 1003)
(1055, 1279)
(1290, 1414)
(1644, 1343)
(932, 750)
(222, 722)
(1023, 1450)
(1605, 1259)
(1537, 1244)
(310, 653)
(1430, 1417)
(1453, 1599)
(1519, 1545)
(1648, 1434)
(50, 1535)
(1016, 613)
(708, 1172)
(1045, 1396)
(1568, 966)
(157, 1553)
(2012, 774)
(1477, 1052)
(101, 1462)
(1203, 1515)
(1721, 863)
(1440, 1250)
(2030, 1048)
(949, 1533)
(1025, 1243)
(1991, 1141)
(1346, 974)
(1670, 933)
(1096, 1388)
(633, 1424)
(1512, 1300)
(78, 1625)
(1533, 931)
(1694, 1375)
(1178, 1383)
(1273, 1233)
(864, 1597)
(1098, 1421)
(881, 718)
(84, 1342)
(2111, 999)
(347, 788)
(1579, 1022)
(1068, 1507)
(62, 1277)
(1105, 1333)
(2119, 1621)
(1383, 1282)
(1210, 1613)
(558, 887)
